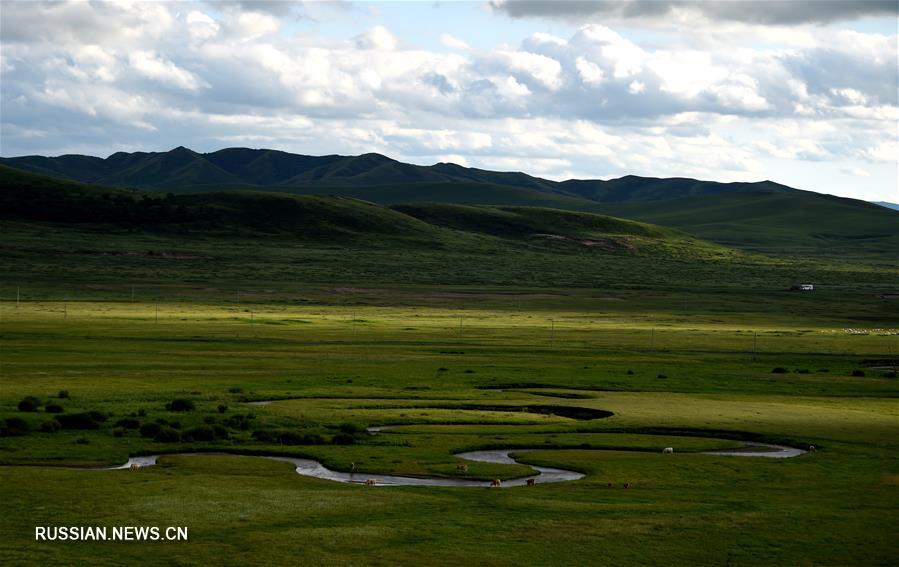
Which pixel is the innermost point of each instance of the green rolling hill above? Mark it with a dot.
(762, 217)
(330, 218)
(776, 223)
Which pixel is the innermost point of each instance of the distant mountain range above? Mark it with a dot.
(894, 206)
(763, 217)
(183, 170)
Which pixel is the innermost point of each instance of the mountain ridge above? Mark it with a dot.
(182, 169)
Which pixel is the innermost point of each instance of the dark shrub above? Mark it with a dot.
(141, 413)
(779, 370)
(662, 376)
(29, 403)
(150, 430)
(802, 371)
(53, 408)
(239, 421)
(209, 419)
(162, 421)
(63, 395)
(222, 408)
(469, 371)
(265, 435)
(128, 423)
(50, 426)
(168, 435)
(343, 439)
(97, 416)
(118, 432)
(313, 439)
(350, 429)
(289, 438)
(83, 420)
(175, 424)
(285, 437)
(441, 369)
(13, 427)
(235, 390)
(82, 441)
(858, 373)
(201, 433)
(630, 372)
(181, 404)
(221, 432)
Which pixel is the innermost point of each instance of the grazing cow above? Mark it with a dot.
(811, 449)
(668, 450)
(370, 482)
(627, 485)
(463, 468)
(496, 482)
(353, 467)
(134, 466)
(532, 482)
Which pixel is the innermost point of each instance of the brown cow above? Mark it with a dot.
(496, 482)
(532, 481)
(811, 449)
(463, 468)
(627, 485)
(134, 466)
(371, 482)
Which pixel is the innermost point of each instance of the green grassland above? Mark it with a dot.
(150, 324)
(374, 363)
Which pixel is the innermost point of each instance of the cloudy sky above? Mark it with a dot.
(800, 92)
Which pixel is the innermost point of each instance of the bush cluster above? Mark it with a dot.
(13, 427)
(181, 404)
(82, 420)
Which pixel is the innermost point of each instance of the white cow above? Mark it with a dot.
(668, 450)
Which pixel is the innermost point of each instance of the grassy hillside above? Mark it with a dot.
(521, 222)
(466, 193)
(798, 223)
(61, 235)
(636, 188)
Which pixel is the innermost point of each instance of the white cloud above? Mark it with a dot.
(546, 70)
(152, 66)
(377, 37)
(598, 103)
(201, 27)
(590, 72)
(453, 42)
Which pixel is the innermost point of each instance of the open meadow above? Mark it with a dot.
(454, 369)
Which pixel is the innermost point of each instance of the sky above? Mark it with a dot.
(799, 92)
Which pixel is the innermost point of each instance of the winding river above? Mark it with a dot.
(544, 475)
